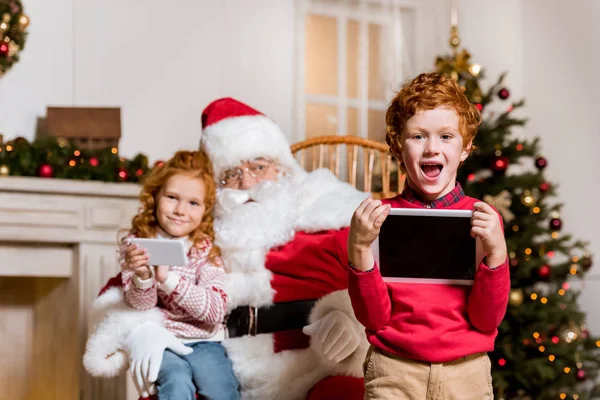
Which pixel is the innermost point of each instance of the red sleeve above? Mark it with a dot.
(370, 298)
(489, 297)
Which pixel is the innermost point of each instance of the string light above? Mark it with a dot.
(561, 292)
(555, 339)
(536, 335)
(77, 153)
(528, 251)
(574, 259)
(533, 296)
(536, 210)
(567, 370)
(554, 235)
(544, 300)
(114, 150)
(573, 269)
(542, 349)
(551, 357)
(563, 396)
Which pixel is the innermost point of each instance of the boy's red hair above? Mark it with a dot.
(426, 92)
(195, 164)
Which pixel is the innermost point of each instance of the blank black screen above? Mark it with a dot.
(430, 247)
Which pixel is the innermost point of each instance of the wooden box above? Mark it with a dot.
(87, 127)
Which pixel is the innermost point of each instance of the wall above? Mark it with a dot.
(161, 66)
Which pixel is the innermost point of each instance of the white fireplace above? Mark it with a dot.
(58, 241)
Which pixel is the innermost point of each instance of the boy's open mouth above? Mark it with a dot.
(431, 170)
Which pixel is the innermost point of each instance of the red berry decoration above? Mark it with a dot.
(541, 163)
(503, 93)
(45, 171)
(544, 272)
(544, 187)
(499, 164)
(122, 174)
(555, 224)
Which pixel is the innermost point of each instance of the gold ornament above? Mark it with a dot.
(527, 199)
(24, 20)
(5, 17)
(516, 297)
(501, 202)
(13, 48)
(4, 170)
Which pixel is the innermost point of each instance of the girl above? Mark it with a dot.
(177, 201)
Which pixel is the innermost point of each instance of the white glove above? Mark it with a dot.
(337, 339)
(146, 345)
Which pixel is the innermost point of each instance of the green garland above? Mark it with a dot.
(13, 25)
(58, 158)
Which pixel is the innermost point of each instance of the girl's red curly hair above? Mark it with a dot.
(195, 164)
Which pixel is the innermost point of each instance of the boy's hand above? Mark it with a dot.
(364, 228)
(162, 273)
(485, 224)
(136, 260)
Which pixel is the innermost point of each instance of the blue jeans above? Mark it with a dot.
(207, 371)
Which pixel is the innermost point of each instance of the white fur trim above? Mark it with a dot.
(266, 375)
(340, 301)
(232, 140)
(326, 202)
(252, 289)
(113, 321)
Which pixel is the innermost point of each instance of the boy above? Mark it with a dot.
(429, 341)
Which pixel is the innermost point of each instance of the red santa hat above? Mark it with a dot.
(234, 132)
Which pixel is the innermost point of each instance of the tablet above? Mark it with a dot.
(163, 251)
(426, 246)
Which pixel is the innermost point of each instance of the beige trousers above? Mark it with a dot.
(388, 376)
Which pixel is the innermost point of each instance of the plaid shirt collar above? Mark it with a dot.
(452, 197)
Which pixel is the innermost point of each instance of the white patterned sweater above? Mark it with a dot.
(191, 299)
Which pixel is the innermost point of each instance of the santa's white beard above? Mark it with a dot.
(260, 218)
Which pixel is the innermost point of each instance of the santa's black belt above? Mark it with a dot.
(275, 318)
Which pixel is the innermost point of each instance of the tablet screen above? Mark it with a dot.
(427, 246)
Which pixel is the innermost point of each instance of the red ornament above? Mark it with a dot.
(159, 164)
(513, 262)
(139, 172)
(544, 187)
(555, 339)
(94, 162)
(541, 163)
(479, 106)
(519, 147)
(122, 174)
(580, 374)
(45, 171)
(503, 93)
(502, 362)
(471, 177)
(3, 49)
(555, 224)
(499, 164)
(544, 272)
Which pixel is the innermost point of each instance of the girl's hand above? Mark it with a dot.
(161, 273)
(137, 260)
(485, 224)
(364, 228)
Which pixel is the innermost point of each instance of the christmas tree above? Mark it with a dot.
(543, 349)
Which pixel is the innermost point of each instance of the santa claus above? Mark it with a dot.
(282, 231)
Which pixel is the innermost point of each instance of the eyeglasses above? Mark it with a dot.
(257, 169)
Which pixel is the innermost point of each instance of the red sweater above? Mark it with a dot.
(431, 322)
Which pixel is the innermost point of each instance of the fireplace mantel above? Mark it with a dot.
(58, 243)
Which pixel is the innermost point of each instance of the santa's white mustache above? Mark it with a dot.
(230, 199)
